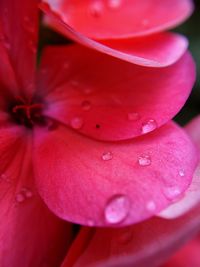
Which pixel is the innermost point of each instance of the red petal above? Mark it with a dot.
(19, 26)
(151, 242)
(187, 256)
(156, 51)
(110, 99)
(104, 183)
(192, 196)
(98, 19)
(30, 235)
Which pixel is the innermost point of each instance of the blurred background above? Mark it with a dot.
(191, 29)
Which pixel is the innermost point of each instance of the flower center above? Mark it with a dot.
(27, 114)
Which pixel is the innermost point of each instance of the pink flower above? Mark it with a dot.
(132, 30)
(150, 243)
(67, 133)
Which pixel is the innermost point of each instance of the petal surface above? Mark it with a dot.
(30, 235)
(19, 25)
(158, 50)
(152, 241)
(187, 256)
(109, 99)
(192, 195)
(97, 19)
(111, 183)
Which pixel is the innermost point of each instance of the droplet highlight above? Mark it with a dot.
(151, 206)
(107, 156)
(172, 193)
(76, 123)
(96, 9)
(144, 160)
(181, 173)
(86, 105)
(114, 4)
(149, 126)
(117, 209)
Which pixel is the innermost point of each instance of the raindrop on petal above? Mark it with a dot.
(96, 9)
(149, 126)
(76, 123)
(133, 116)
(20, 197)
(181, 173)
(151, 206)
(114, 3)
(117, 209)
(107, 156)
(144, 160)
(172, 192)
(86, 105)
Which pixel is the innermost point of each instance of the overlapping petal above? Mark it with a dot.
(158, 50)
(19, 29)
(30, 235)
(151, 242)
(100, 19)
(108, 99)
(111, 183)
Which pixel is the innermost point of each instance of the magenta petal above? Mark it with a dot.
(110, 99)
(30, 235)
(192, 195)
(150, 242)
(19, 25)
(111, 183)
(98, 19)
(155, 51)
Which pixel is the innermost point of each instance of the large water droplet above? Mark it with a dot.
(149, 126)
(86, 105)
(133, 116)
(117, 209)
(96, 8)
(107, 156)
(76, 123)
(114, 4)
(172, 192)
(144, 160)
(20, 198)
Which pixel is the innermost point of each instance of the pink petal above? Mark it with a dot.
(20, 28)
(111, 183)
(150, 242)
(192, 195)
(122, 18)
(107, 98)
(187, 256)
(30, 235)
(156, 51)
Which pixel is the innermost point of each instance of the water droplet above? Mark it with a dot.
(76, 123)
(117, 209)
(145, 22)
(87, 91)
(107, 156)
(20, 197)
(133, 116)
(27, 192)
(172, 192)
(90, 223)
(96, 9)
(114, 3)
(149, 126)
(86, 105)
(151, 206)
(144, 160)
(182, 173)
